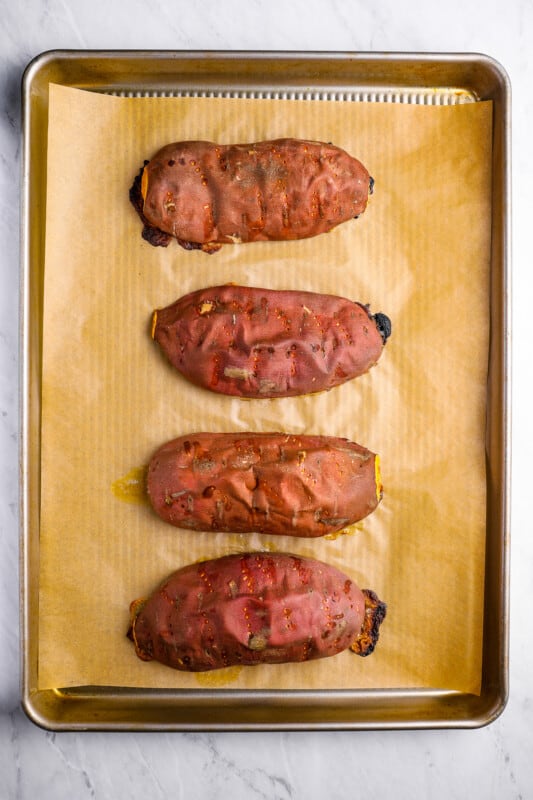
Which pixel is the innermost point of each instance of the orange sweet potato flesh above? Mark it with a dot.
(254, 608)
(252, 342)
(206, 194)
(273, 483)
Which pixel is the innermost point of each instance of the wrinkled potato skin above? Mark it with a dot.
(271, 483)
(249, 609)
(258, 343)
(206, 194)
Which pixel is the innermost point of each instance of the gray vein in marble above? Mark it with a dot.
(148, 768)
(259, 782)
(70, 765)
(15, 752)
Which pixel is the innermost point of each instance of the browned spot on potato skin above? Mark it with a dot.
(273, 483)
(252, 342)
(252, 608)
(266, 191)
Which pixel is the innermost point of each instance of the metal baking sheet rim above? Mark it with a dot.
(380, 77)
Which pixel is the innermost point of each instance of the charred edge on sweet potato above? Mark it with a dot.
(154, 236)
(383, 324)
(371, 183)
(375, 612)
(136, 607)
(151, 234)
(380, 320)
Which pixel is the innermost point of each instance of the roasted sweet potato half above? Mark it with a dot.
(274, 483)
(254, 608)
(259, 343)
(205, 194)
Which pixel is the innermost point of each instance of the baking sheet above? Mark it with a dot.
(421, 253)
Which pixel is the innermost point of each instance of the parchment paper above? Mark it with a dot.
(420, 253)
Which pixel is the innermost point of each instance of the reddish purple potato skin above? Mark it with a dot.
(273, 483)
(263, 343)
(254, 608)
(205, 194)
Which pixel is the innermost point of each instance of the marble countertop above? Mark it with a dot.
(490, 762)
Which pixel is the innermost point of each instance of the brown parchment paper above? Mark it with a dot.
(420, 253)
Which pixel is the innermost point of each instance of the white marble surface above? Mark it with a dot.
(492, 762)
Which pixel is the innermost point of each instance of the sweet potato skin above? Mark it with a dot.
(273, 483)
(206, 194)
(259, 343)
(254, 608)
